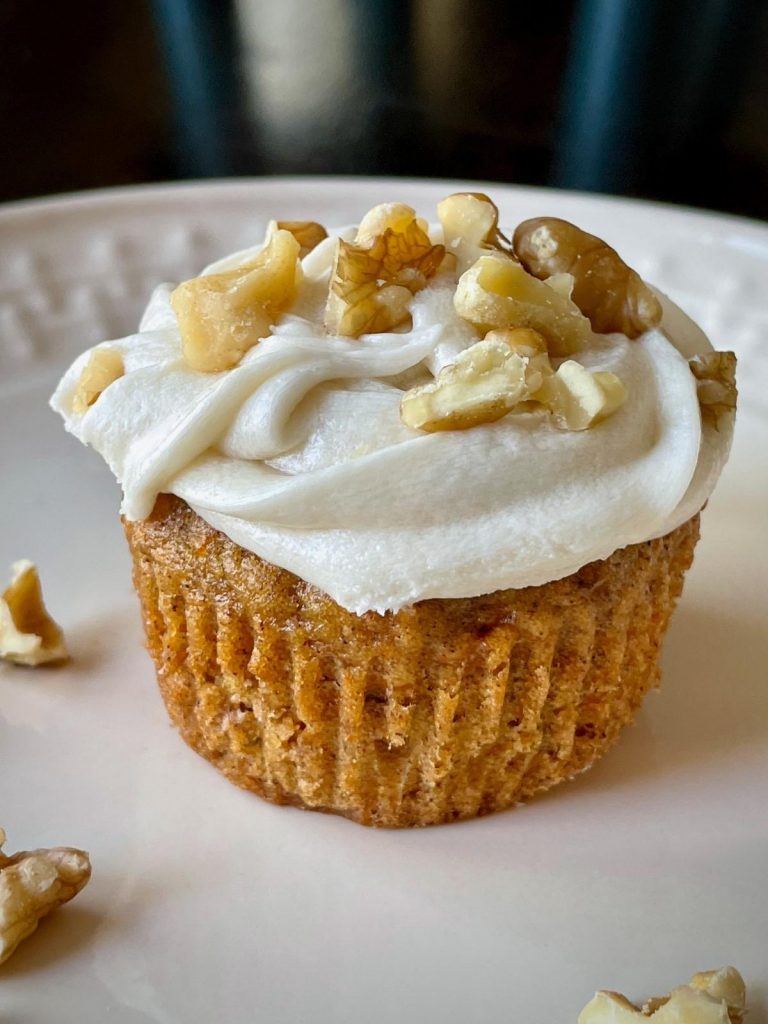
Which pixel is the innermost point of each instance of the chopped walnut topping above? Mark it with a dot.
(497, 292)
(399, 218)
(470, 222)
(486, 381)
(104, 367)
(611, 294)
(715, 374)
(308, 233)
(712, 997)
(510, 369)
(28, 634)
(32, 885)
(357, 304)
(221, 316)
(374, 278)
(522, 340)
(579, 398)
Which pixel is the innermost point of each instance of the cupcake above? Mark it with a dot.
(409, 505)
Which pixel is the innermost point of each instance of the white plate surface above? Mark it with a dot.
(209, 905)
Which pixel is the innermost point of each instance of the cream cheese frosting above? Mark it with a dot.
(299, 453)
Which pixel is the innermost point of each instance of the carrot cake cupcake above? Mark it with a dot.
(409, 505)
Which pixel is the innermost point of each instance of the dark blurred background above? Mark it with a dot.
(666, 99)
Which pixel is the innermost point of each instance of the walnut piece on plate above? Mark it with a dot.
(28, 634)
(221, 316)
(497, 291)
(611, 294)
(374, 278)
(32, 884)
(711, 997)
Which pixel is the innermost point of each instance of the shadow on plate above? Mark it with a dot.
(712, 706)
(62, 935)
(93, 642)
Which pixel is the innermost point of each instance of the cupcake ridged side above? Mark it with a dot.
(445, 710)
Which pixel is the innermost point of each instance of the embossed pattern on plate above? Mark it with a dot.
(78, 270)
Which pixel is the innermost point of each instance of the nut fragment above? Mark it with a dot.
(712, 997)
(28, 635)
(470, 222)
(497, 292)
(579, 398)
(34, 883)
(510, 369)
(715, 374)
(221, 316)
(373, 279)
(308, 233)
(104, 367)
(523, 340)
(726, 984)
(486, 381)
(611, 294)
(399, 218)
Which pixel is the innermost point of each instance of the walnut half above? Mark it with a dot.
(611, 294)
(34, 883)
(711, 997)
(28, 634)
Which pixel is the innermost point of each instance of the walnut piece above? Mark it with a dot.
(578, 398)
(221, 316)
(308, 233)
(711, 997)
(724, 984)
(611, 294)
(374, 277)
(510, 369)
(522, 340)
(470, 222)
(34, 883)
(498, 292)
(486, 381)
(28, 635)
(104, 367)
(715, 374)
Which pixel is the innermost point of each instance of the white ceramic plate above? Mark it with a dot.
(207, 904)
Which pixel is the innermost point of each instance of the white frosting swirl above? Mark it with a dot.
(299, 453)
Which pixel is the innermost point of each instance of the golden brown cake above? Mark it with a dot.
(444, 710)
(409, 506)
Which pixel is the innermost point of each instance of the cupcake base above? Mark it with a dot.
(445, 710)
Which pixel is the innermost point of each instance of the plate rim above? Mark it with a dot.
(128, 195)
